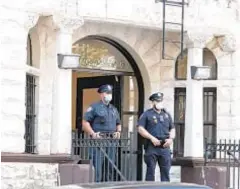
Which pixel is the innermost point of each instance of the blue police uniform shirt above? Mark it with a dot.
(157, 124)
(102, 117)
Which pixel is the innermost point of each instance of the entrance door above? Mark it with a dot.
(124, 166)
(87, 94)
(98, 52)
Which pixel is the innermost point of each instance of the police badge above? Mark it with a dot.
(155, 119)
(161, 118)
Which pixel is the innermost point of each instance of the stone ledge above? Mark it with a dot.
(190, 162)
(200, 162)
(35, 158)
(215, 177)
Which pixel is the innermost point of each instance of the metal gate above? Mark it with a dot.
(30, 121)
(225, 153)
(112, 159)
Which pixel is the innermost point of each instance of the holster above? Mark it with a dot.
(148, 142)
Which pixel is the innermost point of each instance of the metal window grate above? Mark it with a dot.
(209, 115)
(30, 114)
(225, 153)
(179, 118)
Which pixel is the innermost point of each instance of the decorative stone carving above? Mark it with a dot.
(106, 63)
(197, 39)
(30, 20)
(228, 43)
(98, 55)
(67, 24)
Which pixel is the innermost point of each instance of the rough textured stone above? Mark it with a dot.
(28, 175)
(135, 26)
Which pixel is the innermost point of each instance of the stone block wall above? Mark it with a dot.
(146, 47)
(28, 175)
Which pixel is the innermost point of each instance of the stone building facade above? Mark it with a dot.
(33, 33)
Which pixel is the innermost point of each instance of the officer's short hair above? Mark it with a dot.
(105, 89)
(156, 97)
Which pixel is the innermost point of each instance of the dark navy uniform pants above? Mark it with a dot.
(162, 156)
(103, 160)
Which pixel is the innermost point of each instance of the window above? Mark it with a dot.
(30, 103)
(179, 118)
(29, 51)
(208, 60)
(209, 116)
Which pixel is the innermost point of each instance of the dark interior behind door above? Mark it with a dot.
(95, 82)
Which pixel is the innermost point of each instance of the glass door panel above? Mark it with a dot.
(130, 94)
(129, 103)
(129, 121)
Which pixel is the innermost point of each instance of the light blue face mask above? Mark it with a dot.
(159, 105)
(107, 98)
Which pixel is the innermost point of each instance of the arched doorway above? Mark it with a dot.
(104, 61)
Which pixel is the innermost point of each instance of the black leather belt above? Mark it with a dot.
(162, 140)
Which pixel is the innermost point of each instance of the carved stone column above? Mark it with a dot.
(193, 141)
(231, 43)
(61, 133)
(13, 49)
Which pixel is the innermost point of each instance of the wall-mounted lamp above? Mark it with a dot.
(68, 61)
(200, 72)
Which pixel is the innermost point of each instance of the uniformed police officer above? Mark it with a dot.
(102, 118)
(156, 126)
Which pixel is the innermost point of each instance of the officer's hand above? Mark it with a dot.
(116, 135)
(96, 135)
(155, 141)
(168, 143)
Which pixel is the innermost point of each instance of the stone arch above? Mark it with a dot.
(129, 38)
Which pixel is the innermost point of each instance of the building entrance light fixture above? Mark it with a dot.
(68, 61)
(200, 72)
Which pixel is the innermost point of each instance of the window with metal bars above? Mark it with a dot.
(209, 116)
(179, 119)
(30, 121)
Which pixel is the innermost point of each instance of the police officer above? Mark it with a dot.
(102, 119)
(156, 126)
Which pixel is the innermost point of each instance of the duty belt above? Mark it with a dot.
(106, 134)
(162, 140)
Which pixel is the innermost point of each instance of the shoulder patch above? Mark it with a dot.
(89, 109)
